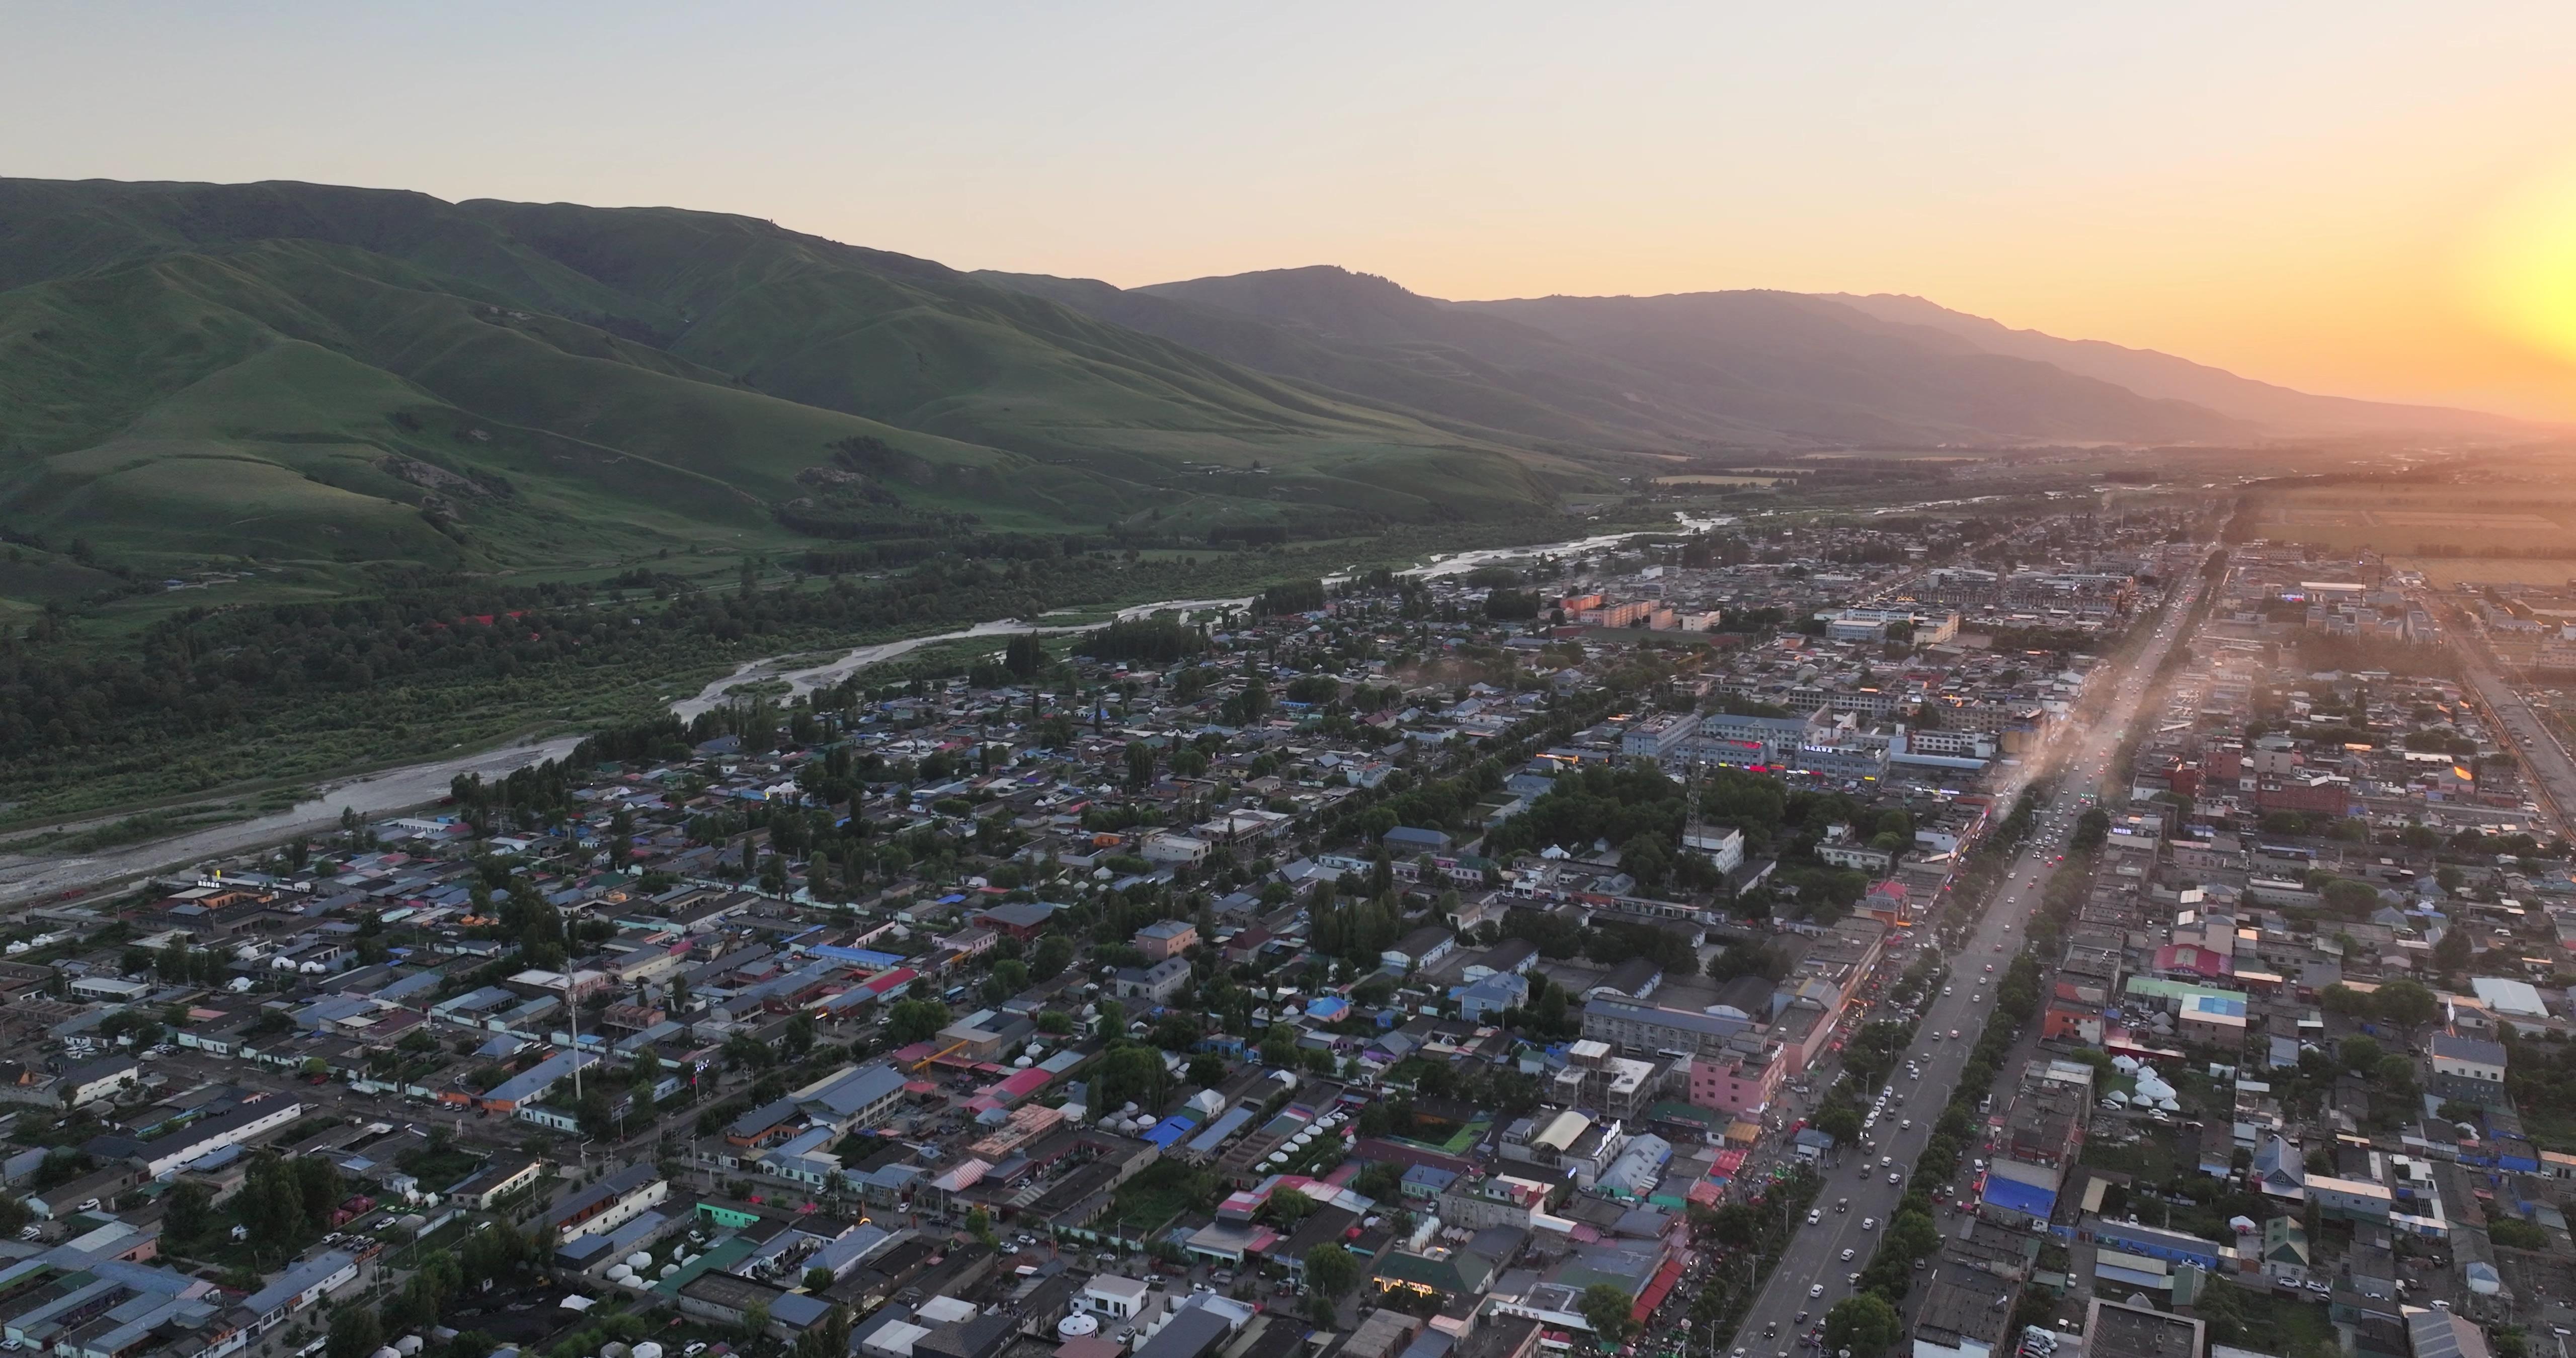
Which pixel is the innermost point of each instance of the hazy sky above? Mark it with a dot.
(2372, 199)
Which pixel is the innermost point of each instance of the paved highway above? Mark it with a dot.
(2553, 772)
(1813, 1274)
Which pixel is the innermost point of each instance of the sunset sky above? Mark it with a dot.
(2367, 199)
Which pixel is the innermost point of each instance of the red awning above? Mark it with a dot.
(1656, 1290)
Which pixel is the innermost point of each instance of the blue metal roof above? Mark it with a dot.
(1170, 1130)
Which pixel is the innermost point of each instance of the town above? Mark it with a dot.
(2109, 934)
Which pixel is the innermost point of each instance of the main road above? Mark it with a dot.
(1858, 1198)
(2553, 772)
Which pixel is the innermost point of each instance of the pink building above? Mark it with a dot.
(1740, 1080)
(1166, 939)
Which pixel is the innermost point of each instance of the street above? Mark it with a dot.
(1812, 1274)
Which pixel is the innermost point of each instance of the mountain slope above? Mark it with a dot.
(1812, 367)
(1735, 366)
(367, 375)
(2151, 373)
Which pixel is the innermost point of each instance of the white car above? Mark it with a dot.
(1847, 1256)
(1816, 1290)
(1869, 1223)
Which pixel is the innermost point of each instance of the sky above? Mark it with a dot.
(2360, 198)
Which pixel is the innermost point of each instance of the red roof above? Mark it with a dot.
(1656, 1290)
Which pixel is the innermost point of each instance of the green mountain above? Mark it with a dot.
(1678, 373)
(293, 371)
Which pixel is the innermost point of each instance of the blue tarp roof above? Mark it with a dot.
(1170, 1130)
(2014, 1195)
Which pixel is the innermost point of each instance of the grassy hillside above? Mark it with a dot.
(1745, 368)
(287, 372)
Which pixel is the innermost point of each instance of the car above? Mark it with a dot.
(1905, 1124)
(1887, 1162)
(1815, 1289)
(696, 1347)
(1895, 1178)
(1990, 967)
(1954, 1034)
(87, 1205)
(1842, 1204)
(1869, 1223)
(1771, 1331)
(1814, 1216)
(1852, 1278)
(1945, 990)
(1847, 1255)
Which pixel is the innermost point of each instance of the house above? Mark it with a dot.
(2285, 1250)
(1023, 920)
(1511, 955)
(1492, 995)
(1166, 939)
(2278, 1171)
(1159, 982)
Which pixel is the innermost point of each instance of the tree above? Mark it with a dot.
(979, 1224)
(354, 1333)
(2091, 829)
(755, 1322)
(916, 1021)
(1207, 1070)
(1330, 1270)
(1864, 1323)
(2452, 953)
(1054, 953)
(2358, 1053)
(187, 1210)
(1839, 1120)
(1140, 766)
(2406, 1003)
(1607, 1306)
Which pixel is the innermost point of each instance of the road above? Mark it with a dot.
(2553, 772)
(1814, 1259)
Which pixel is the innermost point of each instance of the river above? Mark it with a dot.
(28, 878)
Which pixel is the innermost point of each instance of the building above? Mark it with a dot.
(1158, 983)
(1166, 939)
(610, 1203)
(1424, 947)
(1742, 1078)
(2472, 1063)
(91, 1081)
(1965, 1313)
(297, 1288)
(500, 1176)
(1655, 736)
(1651, 1030)
(2114, 1329)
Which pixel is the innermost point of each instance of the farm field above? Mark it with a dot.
(2489, 570)
(2461, 524)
